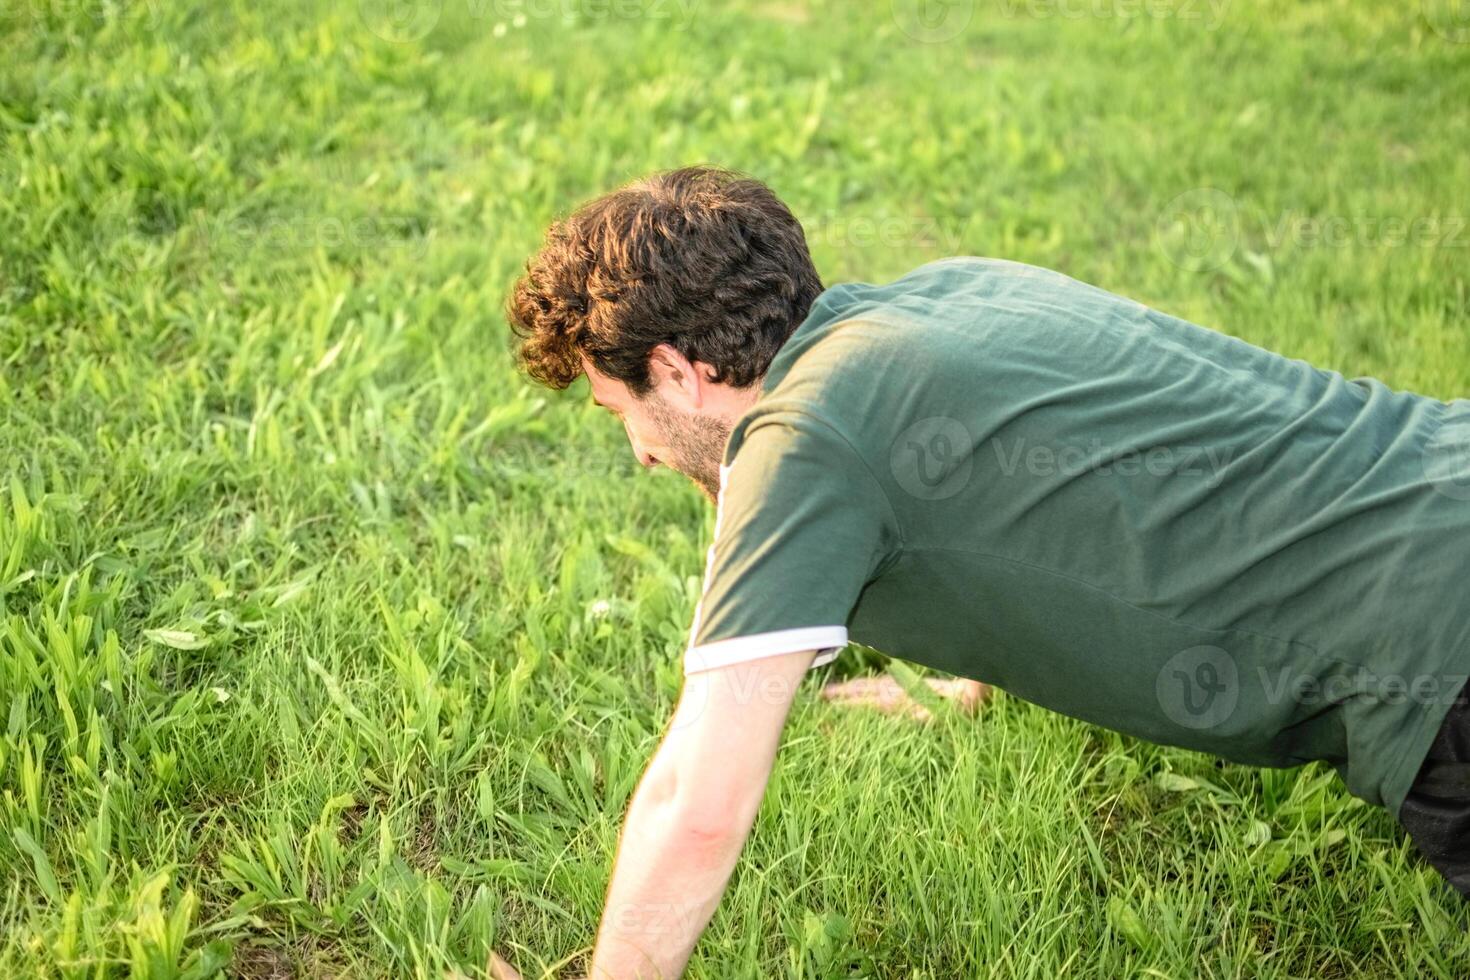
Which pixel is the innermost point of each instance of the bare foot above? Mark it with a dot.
(885, 694)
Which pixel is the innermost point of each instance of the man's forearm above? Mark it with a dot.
(691, 815)
(674, 860)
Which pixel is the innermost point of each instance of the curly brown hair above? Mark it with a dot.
(704, 259)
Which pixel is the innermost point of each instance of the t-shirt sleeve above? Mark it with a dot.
(801, 527)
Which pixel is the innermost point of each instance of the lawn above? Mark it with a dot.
(330, 647)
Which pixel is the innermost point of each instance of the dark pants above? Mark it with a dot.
(1436, 813)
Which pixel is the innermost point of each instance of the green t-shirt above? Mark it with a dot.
(1004, 473)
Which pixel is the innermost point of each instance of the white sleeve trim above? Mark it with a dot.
(828, 641)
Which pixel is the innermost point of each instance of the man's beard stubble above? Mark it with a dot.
(696, 443)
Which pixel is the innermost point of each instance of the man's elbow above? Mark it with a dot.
(710, 828)
(705, 815)
(701, 836)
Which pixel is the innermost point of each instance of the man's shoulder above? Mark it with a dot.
(944, 341)
(785, 425)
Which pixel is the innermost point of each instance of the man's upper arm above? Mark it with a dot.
(801, 527)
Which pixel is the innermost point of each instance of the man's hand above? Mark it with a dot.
(691, 814)
(501, 970)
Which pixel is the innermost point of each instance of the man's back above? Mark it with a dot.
(1010, 475)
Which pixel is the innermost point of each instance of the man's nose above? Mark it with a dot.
(645, 459)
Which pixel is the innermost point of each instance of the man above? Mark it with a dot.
(1011, 476)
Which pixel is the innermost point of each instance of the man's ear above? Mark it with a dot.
(677, 378)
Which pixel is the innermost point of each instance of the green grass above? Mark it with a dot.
(329, 647)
